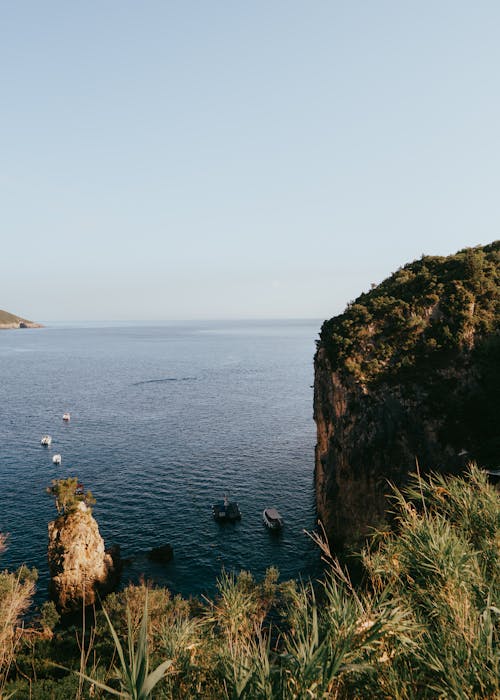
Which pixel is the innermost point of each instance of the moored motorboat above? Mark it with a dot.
(66, 416)
(272, 519)
(493, 475)
(226, 511)
(57, 459)
(46, 440)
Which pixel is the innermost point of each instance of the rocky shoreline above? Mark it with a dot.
(20, 324)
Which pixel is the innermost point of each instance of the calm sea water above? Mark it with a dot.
(164, 419)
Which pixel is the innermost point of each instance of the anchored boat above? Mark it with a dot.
(272, 519)
(46, 440)
(56, 459)
(226, 511)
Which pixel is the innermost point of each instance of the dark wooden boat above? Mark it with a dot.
(226, 511)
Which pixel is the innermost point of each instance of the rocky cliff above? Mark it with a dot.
(78, 563)
(410, 371)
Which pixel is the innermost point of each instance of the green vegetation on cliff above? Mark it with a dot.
(425, 311)
(430, 334)
(424, 623)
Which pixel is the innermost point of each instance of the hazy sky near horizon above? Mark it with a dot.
(229, 159)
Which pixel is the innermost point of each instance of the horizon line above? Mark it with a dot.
(185, 320)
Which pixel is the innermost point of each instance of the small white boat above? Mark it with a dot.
(66, 416)
(272, 519)
(57, 459)
(46, 440)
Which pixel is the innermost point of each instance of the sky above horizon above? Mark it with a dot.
(211, 160)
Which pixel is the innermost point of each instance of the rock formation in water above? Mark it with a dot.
(162, 554)
(78, 563)
(410, 371)
(8, 320)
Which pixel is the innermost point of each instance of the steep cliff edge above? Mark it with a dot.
(78, 563)
(410, 371)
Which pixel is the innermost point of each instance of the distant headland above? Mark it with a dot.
(8, 320)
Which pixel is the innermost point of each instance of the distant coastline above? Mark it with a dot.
(8, 321)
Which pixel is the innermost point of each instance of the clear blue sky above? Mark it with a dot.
(233, 159)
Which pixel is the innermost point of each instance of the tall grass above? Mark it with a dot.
(442, 566)
(16, 592)
(135, 680)
(424, 623)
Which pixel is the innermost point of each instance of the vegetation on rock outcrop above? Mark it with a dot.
(424, 623)
(68, 494)
(417, 317)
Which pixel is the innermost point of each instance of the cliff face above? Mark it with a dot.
(409, 372)
(79, 566)
(365, 439)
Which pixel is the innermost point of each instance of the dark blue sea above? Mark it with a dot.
(165, 418)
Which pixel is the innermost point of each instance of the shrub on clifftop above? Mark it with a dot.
(68, 494)
(425, 310)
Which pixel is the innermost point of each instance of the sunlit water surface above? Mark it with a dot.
(165, 418)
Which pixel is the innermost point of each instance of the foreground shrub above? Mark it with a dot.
(135, 680)
(442, 565)
(16, 591)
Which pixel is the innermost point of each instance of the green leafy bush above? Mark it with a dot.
(416, 317)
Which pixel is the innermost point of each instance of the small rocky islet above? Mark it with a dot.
(81, 569)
